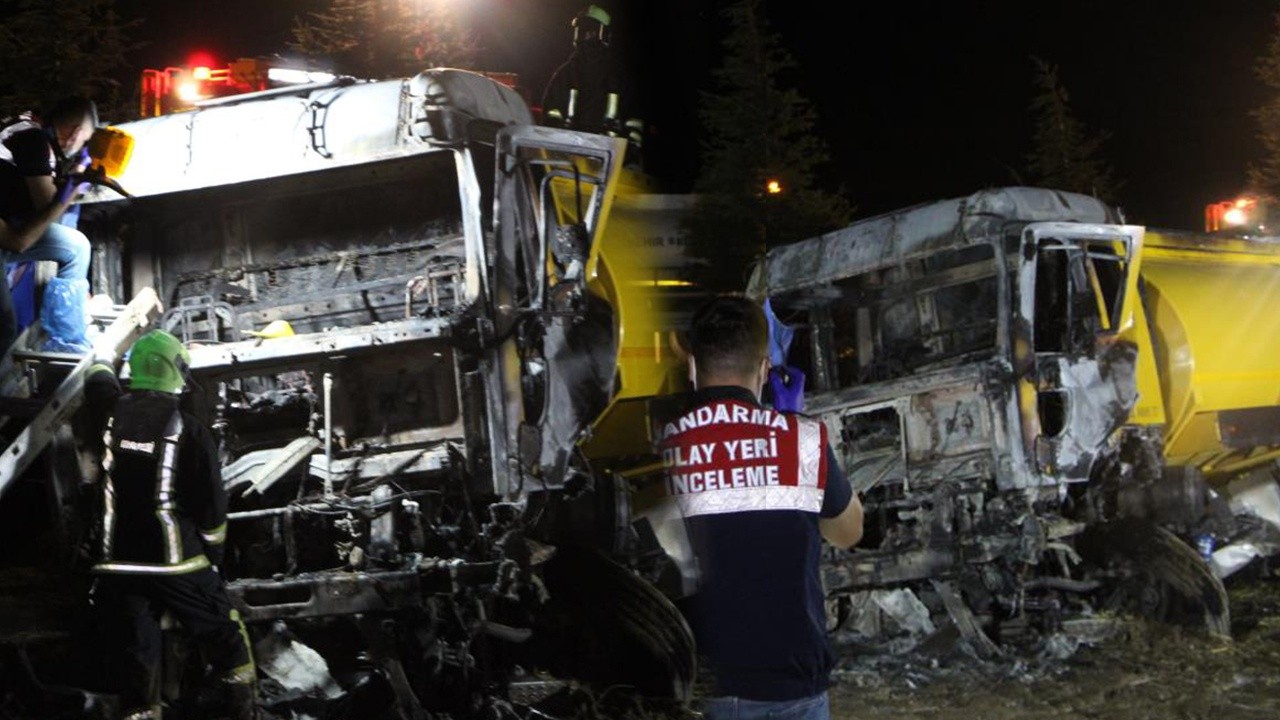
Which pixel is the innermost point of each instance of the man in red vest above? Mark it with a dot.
(759, 490)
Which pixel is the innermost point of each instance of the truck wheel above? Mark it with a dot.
(606, 626)
(1156, 575)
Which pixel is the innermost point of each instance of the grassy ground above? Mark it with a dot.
(1145, 672)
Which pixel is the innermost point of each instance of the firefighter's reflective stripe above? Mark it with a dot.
(191, 564)
(215, 536)
(108, 494)
(728, 456)
(166, 505)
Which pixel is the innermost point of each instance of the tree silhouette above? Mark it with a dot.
(386, 38)
(1264, 175)
(69, 47)
(755, 131)
(1064, 155)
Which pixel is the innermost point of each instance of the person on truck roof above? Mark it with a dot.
(586, 92)
(40, 158)
(759, 490)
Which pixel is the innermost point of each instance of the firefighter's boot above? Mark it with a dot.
(242, 701)
(240, 693)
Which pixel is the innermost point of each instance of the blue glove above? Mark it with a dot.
(83, 160)
(70, 190)
(787, 385)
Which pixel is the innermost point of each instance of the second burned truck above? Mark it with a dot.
(1041, 405)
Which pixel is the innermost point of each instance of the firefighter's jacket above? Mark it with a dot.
(164, 507)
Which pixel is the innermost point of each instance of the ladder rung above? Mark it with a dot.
(48, 357)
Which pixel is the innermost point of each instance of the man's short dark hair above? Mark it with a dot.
(729, 334)
(72, 109)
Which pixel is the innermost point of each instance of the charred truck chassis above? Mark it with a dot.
(406, 494)
(971, 360)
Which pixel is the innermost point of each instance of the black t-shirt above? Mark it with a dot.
(29, 153)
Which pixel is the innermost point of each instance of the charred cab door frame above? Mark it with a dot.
(553, 191)
(1089, 381)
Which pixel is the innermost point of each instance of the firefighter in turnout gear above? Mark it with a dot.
(588, 91)
(163, 531)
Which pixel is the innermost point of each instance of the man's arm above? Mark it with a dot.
(210, 508)
(844, 530)
(19, 238)
(840, 521)
(42, 190)
(101, 390)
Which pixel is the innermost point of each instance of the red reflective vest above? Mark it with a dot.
(731, 456)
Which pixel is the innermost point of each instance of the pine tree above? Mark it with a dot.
(755, 131)
(1064, 155)
(69, 47)
(386, 38)
(1264, 175)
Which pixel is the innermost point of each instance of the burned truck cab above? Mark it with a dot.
(401, 324)
(969, 359)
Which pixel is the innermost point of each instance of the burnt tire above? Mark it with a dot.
(606, 626)
(1156, 575)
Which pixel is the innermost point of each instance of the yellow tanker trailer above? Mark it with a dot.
(1208, 338)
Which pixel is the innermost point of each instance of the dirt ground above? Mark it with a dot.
(1143, 671)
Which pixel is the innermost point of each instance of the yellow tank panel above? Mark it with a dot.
(1214, 311)
(1149, 408)
(629, 268)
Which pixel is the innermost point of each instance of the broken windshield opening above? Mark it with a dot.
(917, 316)
(1079, 291)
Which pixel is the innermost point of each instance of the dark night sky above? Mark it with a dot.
(917, 101)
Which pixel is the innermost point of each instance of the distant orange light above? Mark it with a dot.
(201, 73)
(773, 187)
(1235, 216)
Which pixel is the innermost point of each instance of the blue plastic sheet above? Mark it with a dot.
(786, 383)
(780, 336)
(63, 315)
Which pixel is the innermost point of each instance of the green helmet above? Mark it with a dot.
(591, 24)
(156, 362)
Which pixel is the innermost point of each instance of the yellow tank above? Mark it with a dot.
(1212, 321)
(631, 273)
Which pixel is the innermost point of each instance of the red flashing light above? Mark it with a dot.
(1244, 214)
(202, 58)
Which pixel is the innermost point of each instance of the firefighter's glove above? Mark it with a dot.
(787, 385)
(83, 160)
